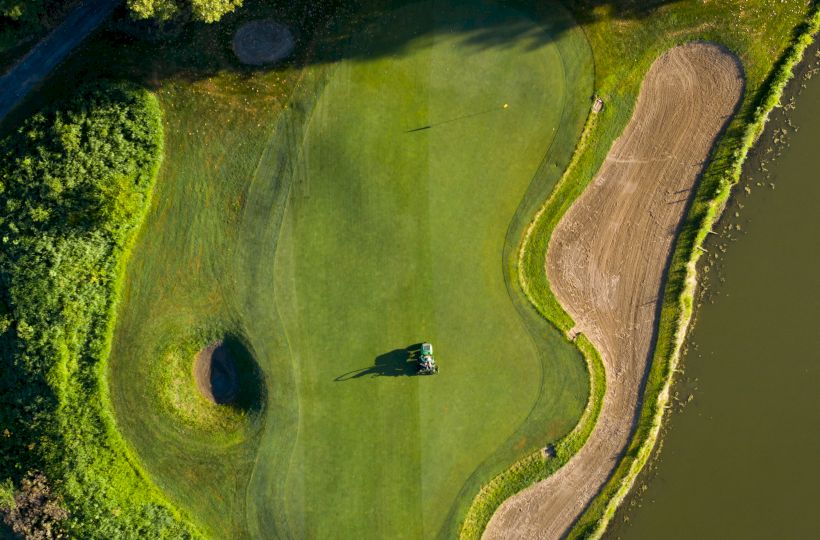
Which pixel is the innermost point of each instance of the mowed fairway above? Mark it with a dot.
(394, 235)
(399, 189)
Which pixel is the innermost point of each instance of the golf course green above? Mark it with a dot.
(380, 207)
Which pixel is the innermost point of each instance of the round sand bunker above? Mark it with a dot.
(215, 373)
(262, 42)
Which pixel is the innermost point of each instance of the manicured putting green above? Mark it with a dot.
(387, 225)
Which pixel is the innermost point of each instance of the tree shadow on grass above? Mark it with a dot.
(191, 50)
(396, 363)
(188, 51)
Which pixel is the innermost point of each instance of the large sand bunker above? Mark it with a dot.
(606, 262)
(262, 42)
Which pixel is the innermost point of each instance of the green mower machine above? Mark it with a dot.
(427, 364)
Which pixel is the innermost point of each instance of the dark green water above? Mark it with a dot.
(742, 458)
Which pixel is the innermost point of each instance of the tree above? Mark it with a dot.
(208, 11)
(33, 512)
(18, 18)
(21, 11)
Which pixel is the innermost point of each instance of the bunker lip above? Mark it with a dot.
(607, 259)
(216, 374)
(263, 42)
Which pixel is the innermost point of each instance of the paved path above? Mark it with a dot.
(44, 57)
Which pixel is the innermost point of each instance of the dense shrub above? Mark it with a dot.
(74, 185)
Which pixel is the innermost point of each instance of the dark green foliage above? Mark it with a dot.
(74, 185)
(19, 20)
(22, 20)
(21, 11)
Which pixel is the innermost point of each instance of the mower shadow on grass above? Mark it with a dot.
(396, 363)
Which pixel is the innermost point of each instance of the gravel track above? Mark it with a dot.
(607, 258)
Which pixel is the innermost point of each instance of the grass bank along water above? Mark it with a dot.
(710, 199)
(75, 181)
(607, 256)
(739, 456)
(624, 42)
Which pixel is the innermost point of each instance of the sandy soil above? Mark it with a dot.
(215, 373)
(262, 42)
(607, 257)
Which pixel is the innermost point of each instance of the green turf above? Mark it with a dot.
(389, 237)
(191, 277)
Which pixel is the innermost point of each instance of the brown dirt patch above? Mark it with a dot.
(262, 42)
(215, 373)
(607, 257)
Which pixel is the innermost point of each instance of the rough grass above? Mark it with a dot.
(194, 268)
(180, 397)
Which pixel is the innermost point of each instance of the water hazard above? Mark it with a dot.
(740, 458)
